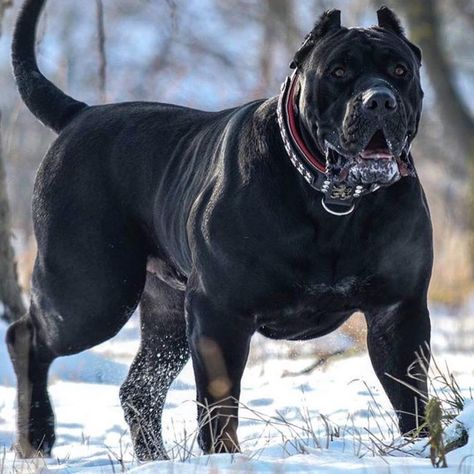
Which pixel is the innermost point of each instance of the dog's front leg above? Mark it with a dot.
(398, 342)
(219, 344)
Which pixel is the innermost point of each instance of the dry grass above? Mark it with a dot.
(444, 404)
(452, 281)
(304, 432)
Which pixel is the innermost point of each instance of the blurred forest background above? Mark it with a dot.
(213, 54)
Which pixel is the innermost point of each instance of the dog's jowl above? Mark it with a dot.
(283, 216)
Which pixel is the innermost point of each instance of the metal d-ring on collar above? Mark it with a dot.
(336, 213)
(339, 198)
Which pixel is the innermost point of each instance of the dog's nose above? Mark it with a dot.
(379, 101)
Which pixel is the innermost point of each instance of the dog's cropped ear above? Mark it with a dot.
(329, 21)
(389, 21)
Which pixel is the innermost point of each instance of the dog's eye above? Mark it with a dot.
(400, 70)
(339, 72)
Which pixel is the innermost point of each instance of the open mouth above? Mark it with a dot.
(375, 164)
(377, 148)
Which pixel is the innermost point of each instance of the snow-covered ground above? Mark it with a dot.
(333, 420)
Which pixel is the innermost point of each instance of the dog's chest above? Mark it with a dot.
(313, 309)
(317, 291)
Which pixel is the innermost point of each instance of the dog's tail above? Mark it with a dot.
(49, 104)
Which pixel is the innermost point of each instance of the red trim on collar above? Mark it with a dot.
(317, 162)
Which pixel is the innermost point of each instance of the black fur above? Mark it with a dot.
(388, 20)
(54, 108)
(234, 239)
(329, 21)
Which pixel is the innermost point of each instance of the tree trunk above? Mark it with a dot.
(10, 293)
(424, 20)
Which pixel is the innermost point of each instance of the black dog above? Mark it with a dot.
(283, 216)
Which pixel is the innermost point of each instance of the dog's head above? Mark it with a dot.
(360, 98)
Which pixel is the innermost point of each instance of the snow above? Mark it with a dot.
(331, 420)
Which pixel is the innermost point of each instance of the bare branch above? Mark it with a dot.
(101, 49)
(10, 293)
(4, 5)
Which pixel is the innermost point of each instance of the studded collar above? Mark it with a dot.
(338, 198)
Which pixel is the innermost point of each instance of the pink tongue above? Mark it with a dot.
(377, 148)
(376, 154)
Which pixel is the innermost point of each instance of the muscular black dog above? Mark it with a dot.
(283, 216)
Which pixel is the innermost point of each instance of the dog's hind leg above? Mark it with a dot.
(161, 357)
(31, 362)
(88, 278)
